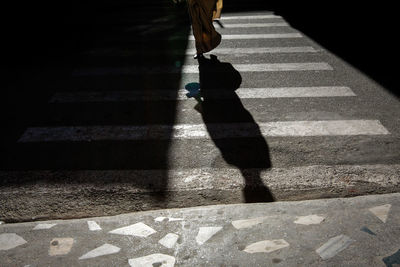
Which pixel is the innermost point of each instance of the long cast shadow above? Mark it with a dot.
(223, 111)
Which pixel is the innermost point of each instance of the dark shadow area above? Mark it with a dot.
(363, 34)
(47, 43)
(249, 154)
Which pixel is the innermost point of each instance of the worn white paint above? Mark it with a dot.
(205, 233)
(259, 50)
(218, 51)
(266, 246)
(240, 224)
(381, 212)
(334, 246)
(93, 226)
(269, 67)
(10, 241)
(199, 131)
(44, 226)
(310, 219)
(60, 246)
(169, 240)
(139, 229)
(182, 94)
(194, 69)
(250, 25)
(159, 260)
(257, 36)
(230, 17)
(105, 249)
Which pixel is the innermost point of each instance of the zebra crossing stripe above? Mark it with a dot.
(251, 25)
(225, 51)
(182, 94)
(252, 36)
(259, 50)
(269, 67)
(201, 131)
(268, 16)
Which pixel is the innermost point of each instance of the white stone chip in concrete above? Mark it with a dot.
(266, 246)
(105, 249)
(160, 219)
(10, 240)
(206, 233)
(160, 260)
(60, 246)
(381, 212)
(334, 246)
(169, 240)
(310, 219)
(93, 226)
(175, 219)
(44, 226)
(240, 224)
(138, 229)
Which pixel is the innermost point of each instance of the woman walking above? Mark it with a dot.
(202, 13)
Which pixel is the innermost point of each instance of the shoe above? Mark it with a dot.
(196, 56)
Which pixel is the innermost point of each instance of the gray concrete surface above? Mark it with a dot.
(359, 231)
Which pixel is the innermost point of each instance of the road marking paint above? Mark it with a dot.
(269, 67)
(269, 16)
(183, 94)
(201, 131)
(250, 36)
(251, 25)
(191, 51)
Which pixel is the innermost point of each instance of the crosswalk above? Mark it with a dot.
(309, 64)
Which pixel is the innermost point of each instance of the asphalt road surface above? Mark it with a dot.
(128, 120)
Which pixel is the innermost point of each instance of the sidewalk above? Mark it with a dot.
(360, 231)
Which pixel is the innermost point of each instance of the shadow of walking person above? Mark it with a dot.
(231, 127)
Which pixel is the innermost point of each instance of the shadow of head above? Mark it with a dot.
(217, 76)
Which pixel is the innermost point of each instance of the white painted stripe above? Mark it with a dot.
(192, 51)
(271, 67)
(182, 94)
(200, 131)
(251, 25)
(253, 36)
(269, 16)
(259, 50)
